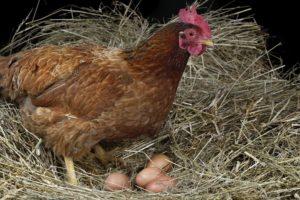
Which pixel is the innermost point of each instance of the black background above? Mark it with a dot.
(278, 18)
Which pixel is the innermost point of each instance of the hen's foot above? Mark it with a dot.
(108, 157)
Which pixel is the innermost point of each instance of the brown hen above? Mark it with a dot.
(73, 97)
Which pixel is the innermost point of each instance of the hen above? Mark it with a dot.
(73, 97)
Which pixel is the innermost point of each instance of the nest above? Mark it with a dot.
(233, 133)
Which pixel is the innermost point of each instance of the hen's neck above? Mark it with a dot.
(160, 55)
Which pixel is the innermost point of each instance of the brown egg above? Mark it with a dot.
(161, 184)
(147, 175)
(117, 181)
(160, 161)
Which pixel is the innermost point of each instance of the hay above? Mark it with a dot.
(233, 132)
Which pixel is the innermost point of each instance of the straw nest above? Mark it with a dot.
(233, 133)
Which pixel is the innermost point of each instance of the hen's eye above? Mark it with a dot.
(191, 34)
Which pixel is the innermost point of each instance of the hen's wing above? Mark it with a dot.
(82, 80)
(33, 71)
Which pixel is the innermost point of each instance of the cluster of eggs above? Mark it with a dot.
(152, 178)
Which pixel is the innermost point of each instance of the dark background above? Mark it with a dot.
(278, 18)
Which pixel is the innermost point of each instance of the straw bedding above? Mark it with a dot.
(233, 133)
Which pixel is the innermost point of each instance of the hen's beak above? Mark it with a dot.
(208, 43)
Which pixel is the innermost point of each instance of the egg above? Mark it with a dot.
(117, 181)
(147, 175)
(160, 161)
(161, 184)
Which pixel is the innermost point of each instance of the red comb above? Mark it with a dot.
(190, 16)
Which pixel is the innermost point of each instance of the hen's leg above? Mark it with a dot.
(101, 155)
(70, 171)
(106, 157)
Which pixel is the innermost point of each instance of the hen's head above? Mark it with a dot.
(196, 39)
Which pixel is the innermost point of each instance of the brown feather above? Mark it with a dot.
(75, 96)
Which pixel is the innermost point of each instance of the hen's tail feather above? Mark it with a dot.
(2, 73)
(6, 74)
